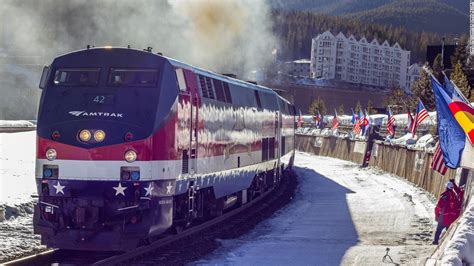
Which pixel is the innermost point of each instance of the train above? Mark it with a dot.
(133, 145)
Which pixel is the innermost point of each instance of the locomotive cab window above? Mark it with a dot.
(77, 77)
(133, 77)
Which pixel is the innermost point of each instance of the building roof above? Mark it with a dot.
(302, 61)
(363, 39)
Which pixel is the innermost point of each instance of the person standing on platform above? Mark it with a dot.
(447, 210)
(460, 193)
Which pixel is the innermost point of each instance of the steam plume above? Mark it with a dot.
(221, 35)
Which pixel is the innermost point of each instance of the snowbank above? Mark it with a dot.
(460, 248)
(17, 184)
(425, 142)
(17, 174)
(16, 123)
(401, 120)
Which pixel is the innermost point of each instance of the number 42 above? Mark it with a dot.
(99, 99)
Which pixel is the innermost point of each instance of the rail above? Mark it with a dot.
(100, 258)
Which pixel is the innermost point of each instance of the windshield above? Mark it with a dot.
(76, 77)
(81, 94)
(133, 77)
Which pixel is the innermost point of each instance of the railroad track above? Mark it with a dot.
(174, 249)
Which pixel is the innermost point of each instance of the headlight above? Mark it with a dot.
(51, 154)
(130, 156)
(85, 135)
(99, 135)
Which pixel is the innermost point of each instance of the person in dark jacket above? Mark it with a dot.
(447, 210)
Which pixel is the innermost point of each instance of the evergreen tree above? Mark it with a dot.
(422, 89)
(461, 53)
(358, 107)
(470, 75)
(340, 110)
(295, 29)
(438, 68)
(317, 105)
(398, 100)
(458, 78)
(370, 108)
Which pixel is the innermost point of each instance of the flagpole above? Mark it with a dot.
(431, 74)
(458, 90)
(454, 85)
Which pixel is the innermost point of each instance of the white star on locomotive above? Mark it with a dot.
(168, 188)
(149, 189)
(119, 189)
(59, 188)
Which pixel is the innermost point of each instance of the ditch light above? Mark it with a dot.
(129, 173)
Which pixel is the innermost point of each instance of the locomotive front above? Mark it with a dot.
(106, 117)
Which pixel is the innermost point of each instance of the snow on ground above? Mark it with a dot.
(17, 184)
(341, 214)
(16, 123)
(17, 167)
(460, 248)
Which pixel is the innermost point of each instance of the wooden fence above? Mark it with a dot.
(332, 147)
(412, 165)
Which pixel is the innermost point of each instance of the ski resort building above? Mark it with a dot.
(413, 75)
(298, 68)
(359, 61)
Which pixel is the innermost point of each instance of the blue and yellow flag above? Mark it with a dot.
(451, 136)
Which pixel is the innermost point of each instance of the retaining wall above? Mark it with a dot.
(332, 147)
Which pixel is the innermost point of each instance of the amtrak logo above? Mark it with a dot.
(95, 114)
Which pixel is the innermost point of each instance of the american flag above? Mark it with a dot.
(317, 119)
(438, 160)
(359, 123)
(421, 114)
(335, 121)
(390, 122)
(356, 129)
(300, 120)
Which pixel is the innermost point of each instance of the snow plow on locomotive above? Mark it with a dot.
(131, 145)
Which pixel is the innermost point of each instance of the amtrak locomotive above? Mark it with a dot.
(132, 145)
